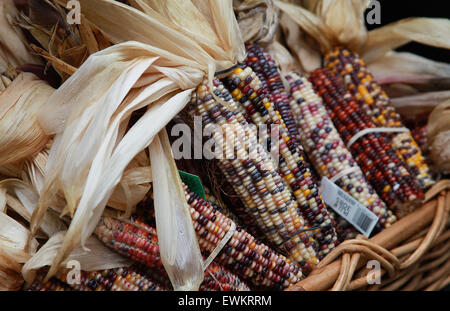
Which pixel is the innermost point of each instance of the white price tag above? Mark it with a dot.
(348, 207)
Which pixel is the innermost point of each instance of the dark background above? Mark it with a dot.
(392, 11)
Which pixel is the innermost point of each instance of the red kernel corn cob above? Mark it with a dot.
(377, 105)
(134, 239)
(248, 90)
(138, 242)
(373, 152)
(252, 173)
(328, 152)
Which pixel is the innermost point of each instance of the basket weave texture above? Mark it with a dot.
(413, 254)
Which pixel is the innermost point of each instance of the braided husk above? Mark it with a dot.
(413, 253)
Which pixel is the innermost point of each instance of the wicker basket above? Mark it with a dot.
(413, 253)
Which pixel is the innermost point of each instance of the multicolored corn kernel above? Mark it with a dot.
(375, 102)
(252, 173)
(248, 91)
(243, 254)
(328, 152)
(374, 153)
(134, 278)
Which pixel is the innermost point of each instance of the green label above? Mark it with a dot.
(194, 183)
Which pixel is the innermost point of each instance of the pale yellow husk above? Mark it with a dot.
(258, 20)
(99, 257)
(323, 24)
(13, 47)
(21, 135)
(23, 199)
(14, 252)
(158, 60)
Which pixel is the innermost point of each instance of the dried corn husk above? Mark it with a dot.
(328, 23)
(13, 252)
(438, 132)
(90, 153)
(132, 188)
(134, 185)
(13, 49)
(416, 89)
(99, 257)
(4, 83)
(21, 136)
(66, 46)
(417, 107)
(23, 199)
(258, 20)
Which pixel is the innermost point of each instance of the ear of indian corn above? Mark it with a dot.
(267, 72)
(134, 278)
(252, 174)
(52, 285)
(243, 254)
(138, 241)
(373, 152)
(251, 95)
(234, 202)
(375, 102)
(265, 68)
(328, 152)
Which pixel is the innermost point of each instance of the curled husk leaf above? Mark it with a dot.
(165, 51)
(13, 46)
(23, 199)
(438, 132)
(418, 107)
(134, 185)
(332, 23)
(97, 257)
(14, 252)
(21, 135)
(66, 46)
(305, 51)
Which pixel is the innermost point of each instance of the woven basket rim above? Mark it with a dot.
(402, 250)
